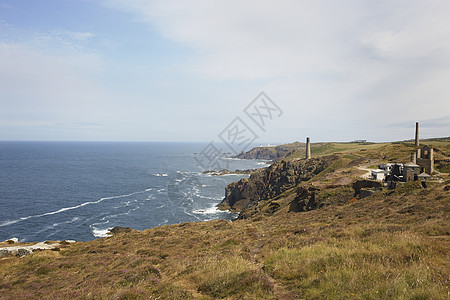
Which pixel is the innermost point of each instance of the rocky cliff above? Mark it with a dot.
(270, 152)
(272, 181)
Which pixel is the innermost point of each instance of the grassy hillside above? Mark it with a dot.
(396, 151)
(391, 245)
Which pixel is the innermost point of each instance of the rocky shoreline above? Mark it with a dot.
(272, 153)
(235, 172)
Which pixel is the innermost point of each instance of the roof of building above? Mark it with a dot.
(378, 171)
(424, 175)
(411, 164)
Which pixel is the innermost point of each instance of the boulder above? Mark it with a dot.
(4, 252)
(23, 251)
(26, 250)
(120, 230)
(13, 240)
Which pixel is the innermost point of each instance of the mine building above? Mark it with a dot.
(423, 176)
(425, 159)
(424, 156)
(378, 174)
(390, 167)
(411, 171)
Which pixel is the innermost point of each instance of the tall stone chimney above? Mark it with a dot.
(308, 148)
(417, 135)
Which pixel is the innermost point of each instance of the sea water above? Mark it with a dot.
(79, 190)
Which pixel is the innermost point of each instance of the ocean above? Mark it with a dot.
(79, 190)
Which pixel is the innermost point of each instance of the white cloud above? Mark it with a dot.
(268, 39)
(370, 62)
(334, 67)
(39, 88)
(80, 36)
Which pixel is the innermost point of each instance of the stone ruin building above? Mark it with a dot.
(420, 167)
(424, 157)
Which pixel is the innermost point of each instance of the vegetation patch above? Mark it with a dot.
(233, 277)
(389, 267)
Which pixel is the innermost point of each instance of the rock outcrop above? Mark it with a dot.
(227, 172)
(272, 181)
(305, 200)
(119, 230)
(362, 186)
(26, 250)
(270, 152)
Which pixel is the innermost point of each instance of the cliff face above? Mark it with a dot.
(272, 181)
(270, 153)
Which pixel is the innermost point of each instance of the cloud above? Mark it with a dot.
(268, 39)
(42, 86)
(336, 68)
(361, 64)
(80, 36)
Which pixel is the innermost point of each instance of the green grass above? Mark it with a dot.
(335, 269)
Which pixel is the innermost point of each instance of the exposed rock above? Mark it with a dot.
(226, 172)
(365, 192)
(120, 230)
(23, 251)
(4, 252)
(26, 250)
(272, 181)
(305, 200)
(13, 240)
(365, 183)
(270, 152)
(67, 242)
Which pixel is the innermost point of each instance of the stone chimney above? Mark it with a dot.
(417, 135)
(308, 148)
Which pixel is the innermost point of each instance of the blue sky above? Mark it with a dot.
(143, 70)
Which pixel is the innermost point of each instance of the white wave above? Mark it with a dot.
(68, 208)
(6, 223)
(101, 233)
(148, 190)
(198, 195)
(192, 215)
(164, 222)
(161, 174)
(234, 174)
(208, 211)
(54, 225)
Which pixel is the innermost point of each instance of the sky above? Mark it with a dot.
(144, 70)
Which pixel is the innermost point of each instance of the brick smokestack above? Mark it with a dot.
(308, 148)
(417, 135)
